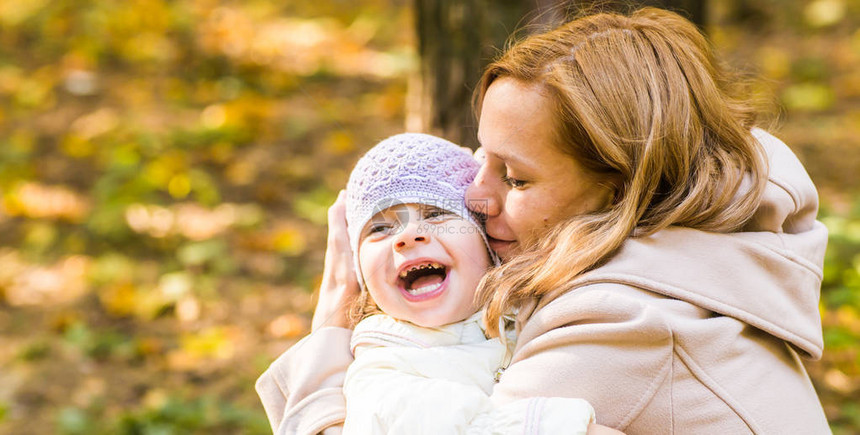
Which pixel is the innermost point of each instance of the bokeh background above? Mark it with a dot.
(166, 166)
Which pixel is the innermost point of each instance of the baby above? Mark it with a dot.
(423, 363)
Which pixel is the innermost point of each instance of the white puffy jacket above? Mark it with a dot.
(412, 380)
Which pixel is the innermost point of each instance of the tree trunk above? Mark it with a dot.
(456, 39)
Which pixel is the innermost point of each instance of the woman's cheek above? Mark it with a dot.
(534, 212)
(517, 210)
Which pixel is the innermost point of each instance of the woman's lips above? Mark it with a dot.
(499, 245)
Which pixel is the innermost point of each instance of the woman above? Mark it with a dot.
(662, 255)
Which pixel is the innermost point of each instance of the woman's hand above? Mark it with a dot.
(339, 284)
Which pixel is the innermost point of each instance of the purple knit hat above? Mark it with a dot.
(409, 168)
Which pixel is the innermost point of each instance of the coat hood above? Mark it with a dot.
(768, 276)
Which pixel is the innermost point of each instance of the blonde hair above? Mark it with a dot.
(640, 101)
(362, 307)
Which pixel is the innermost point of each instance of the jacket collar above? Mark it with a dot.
(383, 330)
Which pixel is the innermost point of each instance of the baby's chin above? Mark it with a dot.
(436, 322)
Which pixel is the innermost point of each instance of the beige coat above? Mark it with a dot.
(683, 332)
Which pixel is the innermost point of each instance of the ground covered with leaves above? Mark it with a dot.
(166, 166)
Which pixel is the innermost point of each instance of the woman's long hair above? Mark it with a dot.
(641, 102)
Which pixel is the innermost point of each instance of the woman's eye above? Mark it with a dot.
(513, 182)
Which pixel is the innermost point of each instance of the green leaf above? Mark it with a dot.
(812, 97)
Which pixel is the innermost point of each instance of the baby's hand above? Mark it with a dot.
(339, 284)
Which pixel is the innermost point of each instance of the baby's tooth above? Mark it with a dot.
(425, 289)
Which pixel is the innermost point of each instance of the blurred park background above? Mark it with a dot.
(166, 166)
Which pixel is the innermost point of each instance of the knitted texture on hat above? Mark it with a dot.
(408, 168)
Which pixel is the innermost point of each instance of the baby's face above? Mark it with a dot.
(422, 264)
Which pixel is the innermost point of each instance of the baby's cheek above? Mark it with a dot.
(457, 226)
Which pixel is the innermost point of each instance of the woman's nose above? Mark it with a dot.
(480, 197)
(412, 234)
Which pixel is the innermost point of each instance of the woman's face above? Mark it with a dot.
(526, 183)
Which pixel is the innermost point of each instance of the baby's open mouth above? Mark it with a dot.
(421, 278)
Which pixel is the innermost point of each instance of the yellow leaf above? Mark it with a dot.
(340, 142)
(210, 343)
(150, 303)
(22, 140)
(119, 299)
(822, 13)
(847, 316)
(241, 173)
(179, 186)
(95, 124)
(290, 241)
(150, 346)
(808, 96)
(15, 12)
(76, 146)
(221, 152)
(775, 63)
(213, 116)
(155, 398)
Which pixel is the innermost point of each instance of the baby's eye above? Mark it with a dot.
(436, 213)
(384, 228)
